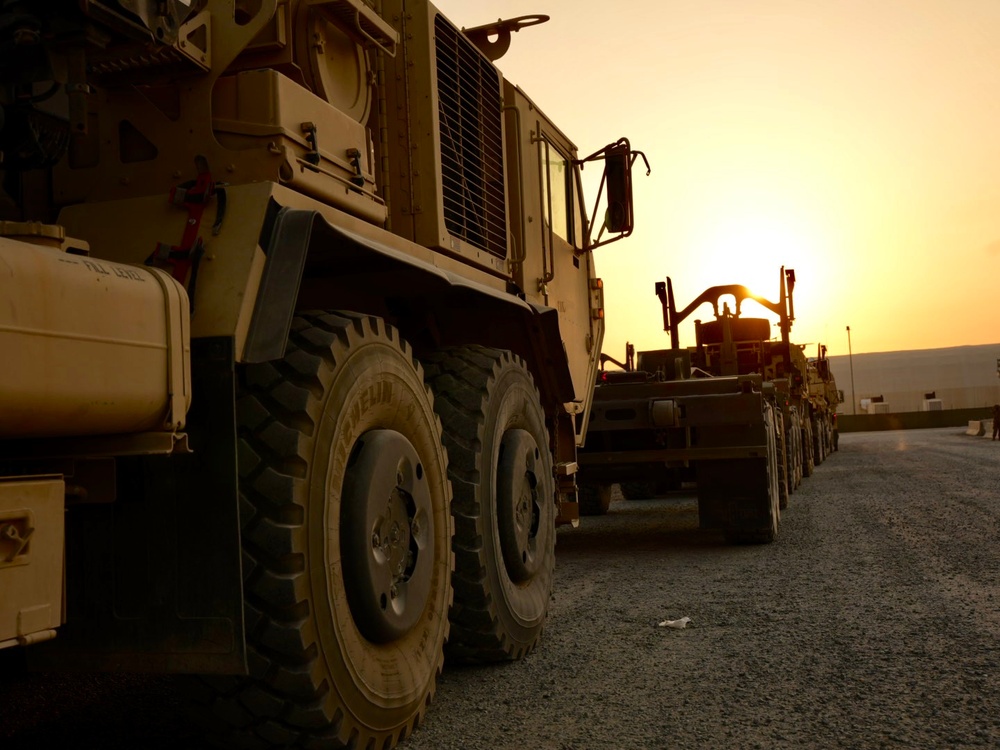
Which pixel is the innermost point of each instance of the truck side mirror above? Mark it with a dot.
(618, 217)
(618, 221)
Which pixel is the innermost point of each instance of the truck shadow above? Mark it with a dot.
(655, 525)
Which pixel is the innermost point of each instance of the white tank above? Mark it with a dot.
(89, 347)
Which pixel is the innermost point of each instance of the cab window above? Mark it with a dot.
(561, 211)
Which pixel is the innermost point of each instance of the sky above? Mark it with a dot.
(855, 141)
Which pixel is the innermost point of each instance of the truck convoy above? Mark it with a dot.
(735, 414)
(300, 327)
(824, 397)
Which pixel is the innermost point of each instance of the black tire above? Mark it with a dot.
(819, 444)
(595, 499)
(783, 484)
(781, 456)
(639, 490)
(769, 501)
(808, 457)
(504, 507)
(791, 468)
(797, 450)
(333, 661)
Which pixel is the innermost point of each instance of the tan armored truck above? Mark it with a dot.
(824, 397)
(300, 324)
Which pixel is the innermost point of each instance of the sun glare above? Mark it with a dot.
(747, 247)
(750, 250)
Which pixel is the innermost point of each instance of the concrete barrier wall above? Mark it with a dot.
(976, 428)
(914, 420)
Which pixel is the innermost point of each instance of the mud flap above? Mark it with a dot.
(153, 580)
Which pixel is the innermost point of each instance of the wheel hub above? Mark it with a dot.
(385, 535)
(518, 509)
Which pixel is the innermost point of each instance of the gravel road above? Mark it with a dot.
(872, 622)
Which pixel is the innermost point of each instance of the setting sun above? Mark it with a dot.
(749, 250)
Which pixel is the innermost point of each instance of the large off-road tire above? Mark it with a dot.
(504, 504)
(346, 533)
(796, 453)
(781, 455)
(819, 441)
(791, 467)
(595, 499)
(808, 456)
(784, 483)
(768, 500)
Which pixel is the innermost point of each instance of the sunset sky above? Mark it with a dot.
(856, 141)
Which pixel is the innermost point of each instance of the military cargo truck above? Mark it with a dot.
(734, 344)
(824, 397)
(300, 326)
(711, 414)
(664, 418)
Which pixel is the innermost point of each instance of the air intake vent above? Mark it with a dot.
(471, 142)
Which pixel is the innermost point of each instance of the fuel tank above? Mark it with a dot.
(89, 347)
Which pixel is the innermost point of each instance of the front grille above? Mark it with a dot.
(469, 108)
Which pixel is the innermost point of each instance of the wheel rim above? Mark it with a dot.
(518, 510)
(386, 535)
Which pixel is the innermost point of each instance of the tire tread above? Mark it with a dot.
(462, 379)
(287, 701)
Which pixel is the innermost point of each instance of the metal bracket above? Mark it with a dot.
(312, 156)
(355, 157)
(10, 533)
(493, 39)
(360, 21)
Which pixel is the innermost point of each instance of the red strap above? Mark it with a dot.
(195, 199)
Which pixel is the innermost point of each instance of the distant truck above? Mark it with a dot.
(824, 397)
(742, 416)
(713, 414)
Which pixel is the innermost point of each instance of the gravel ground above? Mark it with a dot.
(871, 622)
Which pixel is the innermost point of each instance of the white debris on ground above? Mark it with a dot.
(678, 624)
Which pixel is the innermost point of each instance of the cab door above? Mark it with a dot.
(549, 261)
